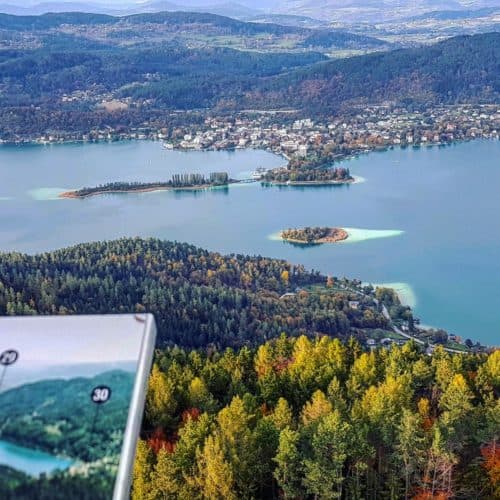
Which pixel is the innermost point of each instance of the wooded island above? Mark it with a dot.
(306, 175)
(178, 181)
(314, 235)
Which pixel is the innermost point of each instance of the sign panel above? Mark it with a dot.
(72, 392)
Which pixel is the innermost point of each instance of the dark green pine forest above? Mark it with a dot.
(198, 297)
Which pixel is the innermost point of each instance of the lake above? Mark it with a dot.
(31, 462)
(423, 219)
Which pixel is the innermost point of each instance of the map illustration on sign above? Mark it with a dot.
(66, 389)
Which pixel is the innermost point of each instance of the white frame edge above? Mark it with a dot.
(123, 480)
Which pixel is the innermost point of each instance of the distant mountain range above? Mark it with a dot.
(33, 372)
(452, 15)
(375, 10)
(196, 23)
(231, 9)
(323, 10)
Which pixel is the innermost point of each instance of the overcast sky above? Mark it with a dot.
(72, 339)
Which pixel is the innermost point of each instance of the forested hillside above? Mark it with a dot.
(74, 70)
(339, 39)
(57, 417)
(198, 297)
(461, 69)
(197, 29)
(63, 423)
(180, 22)
(179, 77)
(320, 419)
(176, 20)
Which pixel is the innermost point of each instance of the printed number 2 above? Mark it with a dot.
(8, 357)
(101, 394)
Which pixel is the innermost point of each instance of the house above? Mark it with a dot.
(303, 149)
(354, 304)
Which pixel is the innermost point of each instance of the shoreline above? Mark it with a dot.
(352, 155)
(309, 183)
(335, 235)
(403, 290)
(73, 195)
(70, 461)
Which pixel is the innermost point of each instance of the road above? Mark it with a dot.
(387, 316)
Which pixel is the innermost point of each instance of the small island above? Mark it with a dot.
(177, 182)
(314, 235)
(306, 176)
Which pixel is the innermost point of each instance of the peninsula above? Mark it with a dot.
(177, 182)
(314, 235)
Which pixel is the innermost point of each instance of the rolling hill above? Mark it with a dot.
(459, 69)
(64, 415)
(191, 27)
(188, 61)
(374, 10)
(191, 21)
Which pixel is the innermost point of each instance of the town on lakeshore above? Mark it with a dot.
(306, 144)
(361, 130)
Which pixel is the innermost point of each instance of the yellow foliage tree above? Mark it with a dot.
(215, 476)
(160, 401)
(285, 277)
(318, 407)
(282, 416)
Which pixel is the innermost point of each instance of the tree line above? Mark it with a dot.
(306, 234)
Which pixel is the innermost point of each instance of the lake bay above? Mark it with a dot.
(31, 462)
(436, 210)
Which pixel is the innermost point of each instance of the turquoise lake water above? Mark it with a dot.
(423, 219)
(31, 462)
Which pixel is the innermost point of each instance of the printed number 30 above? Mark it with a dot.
(100, 394)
